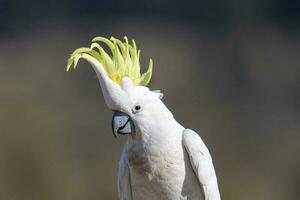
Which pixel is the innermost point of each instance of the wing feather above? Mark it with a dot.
(202, 164)
(124, 183)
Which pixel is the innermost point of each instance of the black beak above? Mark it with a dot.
(122, 124)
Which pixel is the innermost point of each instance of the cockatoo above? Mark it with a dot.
(161, 159)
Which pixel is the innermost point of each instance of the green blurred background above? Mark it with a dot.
(229, 70)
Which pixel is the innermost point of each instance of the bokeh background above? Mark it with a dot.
(229, 69)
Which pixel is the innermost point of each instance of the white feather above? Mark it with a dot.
(124, 183)
(202, 164)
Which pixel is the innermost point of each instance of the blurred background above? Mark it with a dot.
(229, 70)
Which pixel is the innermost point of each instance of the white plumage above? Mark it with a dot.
(161, 159)
(165, 161)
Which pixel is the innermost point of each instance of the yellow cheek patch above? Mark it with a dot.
(123, 61)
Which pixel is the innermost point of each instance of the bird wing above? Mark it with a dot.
(202, 164)
(124, 183)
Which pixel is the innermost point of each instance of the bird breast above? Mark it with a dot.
(150, 162)
(161, 174)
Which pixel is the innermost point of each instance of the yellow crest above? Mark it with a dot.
(124, 60)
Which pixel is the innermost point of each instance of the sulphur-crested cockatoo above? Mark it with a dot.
(161, 159)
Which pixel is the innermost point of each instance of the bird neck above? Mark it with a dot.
(160, 129)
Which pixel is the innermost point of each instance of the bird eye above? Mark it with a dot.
(137, 108)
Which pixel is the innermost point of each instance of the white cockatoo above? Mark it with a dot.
(161, 159)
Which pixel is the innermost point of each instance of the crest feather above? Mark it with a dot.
(122, 61)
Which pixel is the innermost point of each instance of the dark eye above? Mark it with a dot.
(137, 108)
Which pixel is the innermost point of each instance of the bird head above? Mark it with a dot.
(123, 86)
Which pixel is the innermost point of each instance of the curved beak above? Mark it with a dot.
(122, 124)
